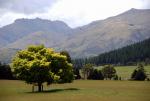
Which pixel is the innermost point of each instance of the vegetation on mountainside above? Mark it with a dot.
(129, 55)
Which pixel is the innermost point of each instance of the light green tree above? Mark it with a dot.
(38, 64)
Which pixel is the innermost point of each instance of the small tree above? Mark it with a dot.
(87, 68)
(38, 64)
(139, 73)
(108, 71)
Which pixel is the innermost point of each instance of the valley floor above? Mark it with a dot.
(79, 90)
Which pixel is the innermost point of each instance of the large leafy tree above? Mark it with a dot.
(38, 64)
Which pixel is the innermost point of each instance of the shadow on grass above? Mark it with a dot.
(56, 90)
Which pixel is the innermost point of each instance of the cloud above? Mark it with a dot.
(146, 4)
(73, 12)
(26, 6)
(11, 10)
(81, 12)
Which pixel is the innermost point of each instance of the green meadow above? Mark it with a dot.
(125, 71)
(79, 90)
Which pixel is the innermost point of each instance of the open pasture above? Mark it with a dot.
(79, 90)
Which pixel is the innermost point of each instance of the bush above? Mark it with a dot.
(5, 72)
(139, 73)
(96, 75)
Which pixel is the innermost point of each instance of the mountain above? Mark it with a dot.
(89, 40)
(109, 34)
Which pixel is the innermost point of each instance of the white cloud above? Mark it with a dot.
(8, 18)
(75, 12)
(146, 4)
(80, 12)
(26, 6)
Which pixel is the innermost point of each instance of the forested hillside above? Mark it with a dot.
(129, 55)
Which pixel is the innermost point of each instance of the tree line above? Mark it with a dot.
(128, 55)
(87, 72)
(108, 72)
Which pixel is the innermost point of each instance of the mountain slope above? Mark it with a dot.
(112, 33)
(46, 38)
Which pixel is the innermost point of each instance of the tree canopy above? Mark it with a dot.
(38, 64)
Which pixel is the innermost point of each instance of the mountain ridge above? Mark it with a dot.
(24, 27)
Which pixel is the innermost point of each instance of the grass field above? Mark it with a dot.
(126, 71)
(79, 90)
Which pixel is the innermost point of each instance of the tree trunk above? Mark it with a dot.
(39, 87)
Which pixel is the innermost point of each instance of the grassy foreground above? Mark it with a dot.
(79, 90)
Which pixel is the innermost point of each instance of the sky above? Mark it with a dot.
(73, 12)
